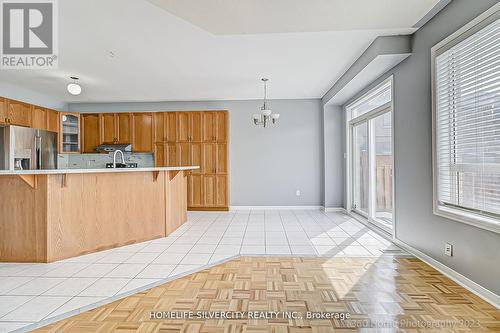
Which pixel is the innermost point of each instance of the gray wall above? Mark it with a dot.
(476, 251)
(267, 165)
(334, 148)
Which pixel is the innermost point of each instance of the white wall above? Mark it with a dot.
(267, 165)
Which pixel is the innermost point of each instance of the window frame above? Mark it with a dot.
(367, 93)
(456, 213)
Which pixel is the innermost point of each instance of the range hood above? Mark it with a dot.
(114, 147)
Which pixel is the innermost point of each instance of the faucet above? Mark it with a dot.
(114, 157)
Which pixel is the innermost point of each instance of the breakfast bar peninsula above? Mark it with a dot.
(49, 215)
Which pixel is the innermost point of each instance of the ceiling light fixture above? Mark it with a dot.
(265, 115)
(73, 87)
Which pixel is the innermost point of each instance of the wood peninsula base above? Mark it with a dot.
(49, 217)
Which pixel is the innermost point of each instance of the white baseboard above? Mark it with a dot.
(275, 207)
(465, 282)
(335, 209)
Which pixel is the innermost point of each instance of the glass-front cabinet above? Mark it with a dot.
(70, 133)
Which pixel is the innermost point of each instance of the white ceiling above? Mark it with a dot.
(277, 16)
(159, 56)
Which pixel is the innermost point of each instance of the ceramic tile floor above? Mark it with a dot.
(41, 293)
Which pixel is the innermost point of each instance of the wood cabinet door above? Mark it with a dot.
(171, 126)
(142, 141)
(70, 133)
(209, 126)
(221, 191)
(221, 127)
(39, 118)
(19, 113)
(195, 191)
(184, 154)
(183, 126)
(53, 121)
(196, 156)
(171, 155)
(124, 128)
(159, 155)
(195, 127)
(90, 132)
(221, 163)
(209, 156)
(108, 128)
(209, 190)
(4, 110)
(159, 126)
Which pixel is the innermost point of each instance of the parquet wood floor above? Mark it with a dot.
(385, 294)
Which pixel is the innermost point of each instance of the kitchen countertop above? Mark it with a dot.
(77, 171)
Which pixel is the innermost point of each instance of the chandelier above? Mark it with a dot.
(266, 115)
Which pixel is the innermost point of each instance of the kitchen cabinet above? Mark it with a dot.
(171, 126)
(196, 158)
(124, 128)
(221, 127)
(4, 111)
(142, 135)
(39, 117)
(195, 193)
(69, 135)
(171, 155)
(184, 154)
(165, 124)
(209, 190)
(209, 158)
(159, 153)
(195, 127)
(209, 126)
(189, 126)
(160, 127)
(183, 126)
(19, 113)
(221, 158)
(108, 128)
(221, 191)
(52, 120)
(90, 132)
(116, 128)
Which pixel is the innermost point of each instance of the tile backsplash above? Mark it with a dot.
(98, 161)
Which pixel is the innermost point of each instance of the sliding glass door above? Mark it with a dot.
(360, 168)
(371, 158)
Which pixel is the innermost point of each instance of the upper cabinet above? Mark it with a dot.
(142, 136)
(116, 128)
(70, 133)
(90, 132)
(214, 126)
(52, 121)
(165, 124)
(39, 117)
(3, 110)
(19, 113)
(189, 126)
(45, 119)
(183, 126)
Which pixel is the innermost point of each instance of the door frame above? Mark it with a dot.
(349, 165)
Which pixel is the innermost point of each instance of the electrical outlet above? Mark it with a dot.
(448, 249)
(297, 193)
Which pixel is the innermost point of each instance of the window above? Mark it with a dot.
(467, 126)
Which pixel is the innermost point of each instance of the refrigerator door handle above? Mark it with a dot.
(38, 152)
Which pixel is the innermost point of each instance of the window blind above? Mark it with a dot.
(467, 122)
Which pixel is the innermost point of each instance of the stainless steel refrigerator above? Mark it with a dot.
(24, 148)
